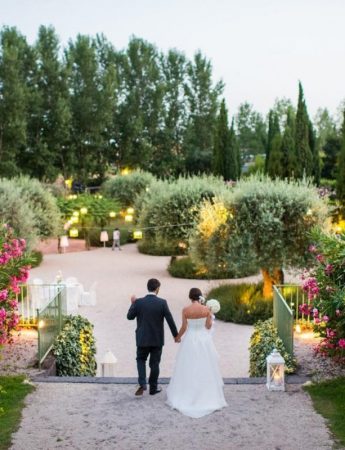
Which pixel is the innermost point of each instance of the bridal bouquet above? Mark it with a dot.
(213, 305)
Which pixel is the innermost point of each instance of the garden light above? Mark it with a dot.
(73, 232)
(104, 237)
(112, 214)
(138, 234)
(74, 219)
(64, 243)
(130, 210)
(108, 365)
(83, 210)
(68, 183)
(125, 171)
(298, 328)
(128, 218)
(76, 213)
(41, 324)
(275, 371)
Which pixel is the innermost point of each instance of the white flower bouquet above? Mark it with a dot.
(213, 305)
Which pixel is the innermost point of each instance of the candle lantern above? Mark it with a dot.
(128, 218)
(104, 237)
(108, 365)
(63, 243)
(275, 371)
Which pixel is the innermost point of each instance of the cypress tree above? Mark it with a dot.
(305, 164)
(232, 157)
(315, 152)
(289, 160)
(274, 154)
(221, 143)
(341, 169)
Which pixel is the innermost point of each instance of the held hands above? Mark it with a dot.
(177, 340)
(133, 298)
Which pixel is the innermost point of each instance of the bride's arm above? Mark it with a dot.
(183, 326)
(209, 320)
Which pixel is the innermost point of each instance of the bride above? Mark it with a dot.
(196, 387)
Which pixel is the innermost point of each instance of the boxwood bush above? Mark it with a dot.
(242, 303)
(75, 349)
(264, 339)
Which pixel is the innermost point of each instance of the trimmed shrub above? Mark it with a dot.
(29, 209)
(169, 211)
(262, 342)
(126, 188)
(75, 349)
(242, 303)
(186, 268)
(94, 235)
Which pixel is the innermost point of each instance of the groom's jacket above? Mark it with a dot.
(150, 312)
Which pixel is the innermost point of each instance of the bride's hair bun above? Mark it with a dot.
(195, 294)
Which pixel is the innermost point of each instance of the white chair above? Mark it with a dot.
(88, 298)
(74, 292)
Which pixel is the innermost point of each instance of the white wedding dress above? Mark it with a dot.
(196, 386)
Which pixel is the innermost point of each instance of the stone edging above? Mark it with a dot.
(292, 379)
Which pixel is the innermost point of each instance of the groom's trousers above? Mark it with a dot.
(155, 358)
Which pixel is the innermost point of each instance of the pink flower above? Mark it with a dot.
(315, 312)
(317, 320)
(337, 312)
(341, 343)
(330, 333)
(325, 319)
(3, 295)
(3, 314)
(320, 258)
(328, 269)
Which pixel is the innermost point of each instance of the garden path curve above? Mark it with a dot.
(119, 274)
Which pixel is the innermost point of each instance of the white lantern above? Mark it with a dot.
(108, 365)
(275, 371)
(104, 237)
(64, 243)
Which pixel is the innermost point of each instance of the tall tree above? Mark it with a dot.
(91, 106)
(13, 100)
(273, 145)
(49, 114)
(202, 100)
(175, 114)
(331, 150)
(341, 168)
(251, 130)
(304, 154)
(289, 159)
(314, 148)
(324, 124)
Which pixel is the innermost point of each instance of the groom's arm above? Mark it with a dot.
(169, 318)
(132, 312)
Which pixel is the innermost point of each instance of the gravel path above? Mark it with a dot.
(107, 417)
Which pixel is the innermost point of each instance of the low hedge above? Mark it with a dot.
(262, 342)
(185, 268)
(160, 247)
(242, 303)
(75, 349)
(94, 235)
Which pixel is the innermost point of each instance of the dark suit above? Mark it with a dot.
(150, 312)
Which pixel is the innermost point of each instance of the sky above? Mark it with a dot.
(259, 48)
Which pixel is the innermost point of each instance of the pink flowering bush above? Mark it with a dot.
(325, 288)
(14, 270)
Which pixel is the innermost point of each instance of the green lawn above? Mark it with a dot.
(12, 394)
(329, 400)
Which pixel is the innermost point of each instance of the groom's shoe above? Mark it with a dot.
(140, 390)
(155, 391)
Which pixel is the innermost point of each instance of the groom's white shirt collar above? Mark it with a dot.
(151, 293)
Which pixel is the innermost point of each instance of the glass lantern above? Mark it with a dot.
(104, 237)
(108, 365)
(275, 371)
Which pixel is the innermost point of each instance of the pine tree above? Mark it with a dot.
(341, 168)
(305, 164)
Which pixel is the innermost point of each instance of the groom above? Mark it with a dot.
(150, 312)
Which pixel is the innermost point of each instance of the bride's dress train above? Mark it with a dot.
(196, 386)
